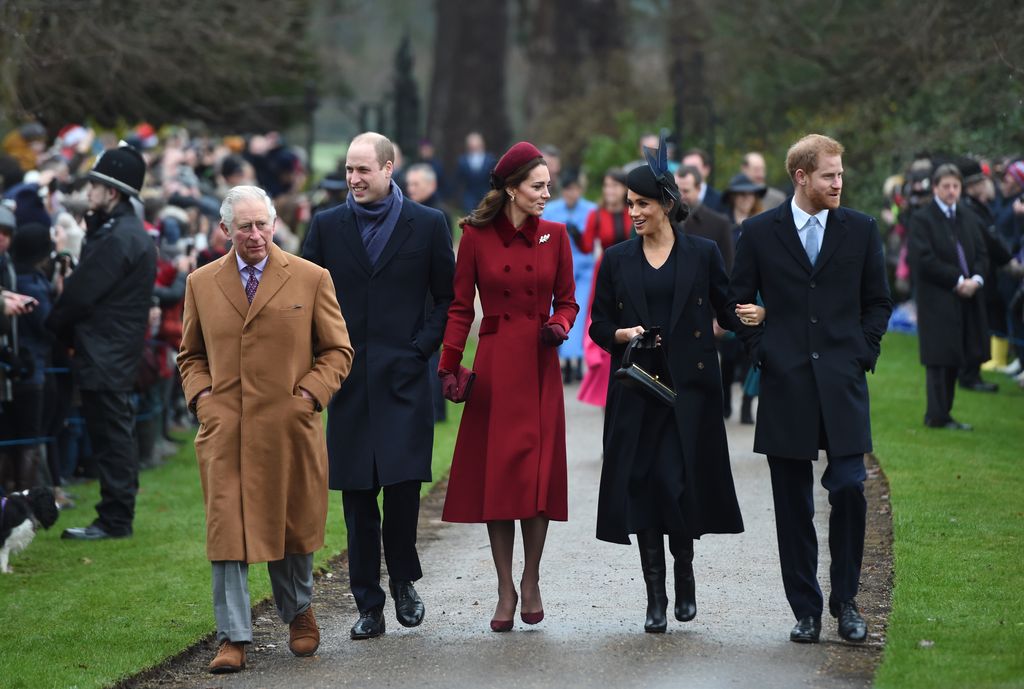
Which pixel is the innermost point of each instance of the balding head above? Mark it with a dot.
(382, 146)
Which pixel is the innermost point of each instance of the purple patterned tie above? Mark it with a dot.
(251, 284)
(960, 256)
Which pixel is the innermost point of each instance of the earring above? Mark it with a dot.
(512, 196)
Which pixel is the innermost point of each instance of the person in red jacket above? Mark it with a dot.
(509, 458)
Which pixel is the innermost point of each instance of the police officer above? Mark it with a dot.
(102, 314)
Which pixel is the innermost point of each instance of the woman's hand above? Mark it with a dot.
(751, 314)
(624, 335)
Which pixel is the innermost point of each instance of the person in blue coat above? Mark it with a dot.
(386, 254)
(820, 270)
(571, 209)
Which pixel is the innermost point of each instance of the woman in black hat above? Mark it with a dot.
(666, 466)
(742, 198)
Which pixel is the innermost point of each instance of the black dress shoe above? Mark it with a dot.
(950, 425)
(90, 533)
(807, 630)
(852, 626)
(409, 607)
(369, 625)
(979, 386)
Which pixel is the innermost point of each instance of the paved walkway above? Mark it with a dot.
(594, 602)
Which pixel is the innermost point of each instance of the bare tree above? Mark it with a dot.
(229, 62)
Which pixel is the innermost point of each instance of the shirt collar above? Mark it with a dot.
(505, 230)
(944, 208)
(800, 217)
(242, 265)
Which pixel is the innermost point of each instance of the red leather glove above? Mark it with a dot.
(552, 334)
(456, 386)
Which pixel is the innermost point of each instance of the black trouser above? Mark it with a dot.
(793, 494)
(362, 518)
(109, 420)
(940, 384)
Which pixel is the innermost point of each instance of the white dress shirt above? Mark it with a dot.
(950, 212)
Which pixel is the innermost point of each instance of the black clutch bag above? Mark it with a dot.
(657, 383)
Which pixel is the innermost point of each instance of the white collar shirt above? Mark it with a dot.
(800, 218)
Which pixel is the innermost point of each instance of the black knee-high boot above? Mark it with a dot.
(652, 559)
(686, 593)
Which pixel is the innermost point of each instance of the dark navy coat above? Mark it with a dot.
(380, 425)
(822, 332)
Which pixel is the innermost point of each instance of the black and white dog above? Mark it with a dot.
(20, 515)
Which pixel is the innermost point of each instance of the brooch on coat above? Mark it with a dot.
(544, 238)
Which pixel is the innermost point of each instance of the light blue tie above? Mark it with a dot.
(812, 240)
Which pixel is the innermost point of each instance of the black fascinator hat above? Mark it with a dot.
(654, 180)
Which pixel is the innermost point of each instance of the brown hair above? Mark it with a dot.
(803, 155)
(493, 203)
(946, 170)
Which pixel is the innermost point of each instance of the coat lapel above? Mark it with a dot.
(785, 231)
(230, 282)
(633, 274)
(275, 274)
(835, 233)
(403, 228)
(349, 231)
(686, 269)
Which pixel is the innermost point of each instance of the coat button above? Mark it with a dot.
(700, 365)
(530, 315)
(506, 316)
(814, 319)
(696, 333)
(620, 306)
(508, 293)
(529, 268)
(700, 300)
(529, 291)
(813, 284)
(814, 355)
(508, 268)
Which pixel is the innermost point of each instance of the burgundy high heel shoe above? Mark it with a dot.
(504, 625)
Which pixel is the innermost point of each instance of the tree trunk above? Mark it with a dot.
(468, 87)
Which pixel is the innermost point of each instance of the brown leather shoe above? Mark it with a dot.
(304, 635)
(230, 658)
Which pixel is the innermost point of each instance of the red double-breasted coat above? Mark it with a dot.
(509, 458)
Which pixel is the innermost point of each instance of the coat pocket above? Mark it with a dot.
(489, 325)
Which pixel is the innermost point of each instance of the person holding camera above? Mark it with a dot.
(102, 314)
(666, 465)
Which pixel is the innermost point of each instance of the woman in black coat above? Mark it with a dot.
(666, 468)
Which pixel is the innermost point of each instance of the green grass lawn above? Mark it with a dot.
(958, 518)
(88, 614)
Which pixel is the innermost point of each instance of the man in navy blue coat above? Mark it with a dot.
(473, 174)
(820, 270)
(386, 253)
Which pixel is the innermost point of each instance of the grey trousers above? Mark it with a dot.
(291, 580)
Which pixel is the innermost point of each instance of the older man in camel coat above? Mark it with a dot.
(263, 349)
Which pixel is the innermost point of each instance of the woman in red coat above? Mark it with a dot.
(509, 458)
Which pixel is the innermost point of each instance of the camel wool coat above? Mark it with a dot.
(260, 447)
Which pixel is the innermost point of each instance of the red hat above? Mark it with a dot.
(514, 158)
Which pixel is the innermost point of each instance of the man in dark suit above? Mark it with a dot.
(385, 253)
(473, 175)
(703, 221)
(948, 258)
(710, 197)
(820, 271)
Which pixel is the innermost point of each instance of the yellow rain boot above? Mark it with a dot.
(1000, 352)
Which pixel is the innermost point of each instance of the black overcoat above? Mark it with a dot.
(103, 310)
(709, 497)
(822, 332)
(380, 424)
(952, 331)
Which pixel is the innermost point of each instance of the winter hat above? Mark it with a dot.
(1016, 171)
(514, 158)
(31, 244)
